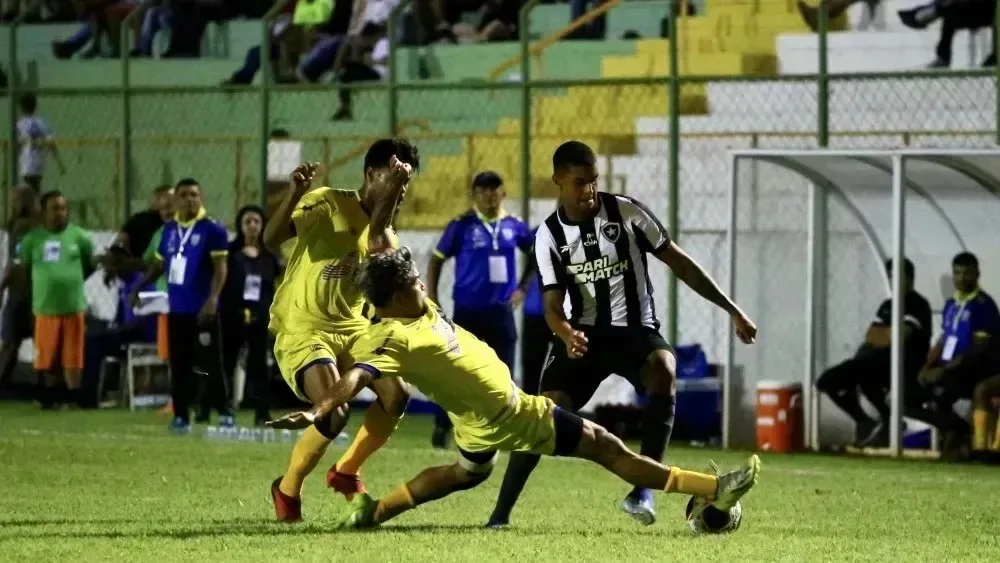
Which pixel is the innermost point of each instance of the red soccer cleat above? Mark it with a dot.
(286, 508)
(345, 483)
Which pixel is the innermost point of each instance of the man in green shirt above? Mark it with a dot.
(59, 257)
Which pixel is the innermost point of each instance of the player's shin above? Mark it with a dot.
(431, 484)
(375, 431)
(309, 449)
(519, 468)
(657, 424)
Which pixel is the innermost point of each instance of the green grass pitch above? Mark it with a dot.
(114, 486)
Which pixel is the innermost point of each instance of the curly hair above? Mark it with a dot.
(385, 274)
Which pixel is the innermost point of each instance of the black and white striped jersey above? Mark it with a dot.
(601, 262)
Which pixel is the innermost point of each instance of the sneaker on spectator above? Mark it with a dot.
(919, 17)
(938, 64)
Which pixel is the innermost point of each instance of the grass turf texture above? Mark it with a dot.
(112, 485)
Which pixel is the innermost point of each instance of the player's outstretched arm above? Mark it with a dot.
(694, 276)
(279, 227)
(392, 186)
(345, 389)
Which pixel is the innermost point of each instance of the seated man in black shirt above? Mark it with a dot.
(870, 368)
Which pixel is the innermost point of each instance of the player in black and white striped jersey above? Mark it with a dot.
(598, 300)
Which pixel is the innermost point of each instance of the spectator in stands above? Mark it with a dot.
(367, 62)
(156, 16)
(869, 370)
(285, 48)
(441, 20)
(484, 241)
(960, 359)
(537, 334)
(955, 15)
(35, 139)
(59, 258)
(190, 18)
(192, 254)
(253, 272)
(18, 324)
(343, 27)
(101, 19)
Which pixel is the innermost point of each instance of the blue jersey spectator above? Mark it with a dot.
(192, 254)
(962, 356)
(484, 243)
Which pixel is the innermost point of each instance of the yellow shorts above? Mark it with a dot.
(296, 352)
(529, 427)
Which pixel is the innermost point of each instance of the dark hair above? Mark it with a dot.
(187, 182)
(907, 267)
(162, 189)
(28, 103)
(385, 274)
(239, 242)
(966, 259)
(489, 180)
(572, 153)
(49, 196)
(382, 150)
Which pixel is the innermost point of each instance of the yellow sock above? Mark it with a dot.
(398, 500)
(996, 438)
(308, 450)
(691, 483)
(374, 433)
(980, 428)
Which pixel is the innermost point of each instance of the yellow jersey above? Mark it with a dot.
(318, 291)
(464, 376)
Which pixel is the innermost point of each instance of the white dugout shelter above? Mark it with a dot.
(798, 269)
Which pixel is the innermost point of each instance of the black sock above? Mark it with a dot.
(848, 402)
(657, 424)
(441, 420)
(519, 468)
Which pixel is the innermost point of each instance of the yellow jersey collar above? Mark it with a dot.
(963, 298)
(198, 217)
(487, 220)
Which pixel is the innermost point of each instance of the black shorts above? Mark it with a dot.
(620, 351)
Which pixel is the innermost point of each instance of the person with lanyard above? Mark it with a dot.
(18, 323)
(192, 254)
(483, 241)
(246, 299)
(536, 333)
(962, 356)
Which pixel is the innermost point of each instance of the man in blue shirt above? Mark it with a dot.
(961, 357)
(192, 254)
(484, 242)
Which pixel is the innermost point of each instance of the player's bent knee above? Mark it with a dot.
(392, 395)
(474, 468)
(330, 424)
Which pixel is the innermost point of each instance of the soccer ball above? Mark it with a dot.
(703, 518)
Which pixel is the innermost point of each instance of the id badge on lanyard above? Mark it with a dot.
(178, 264)
(951, 342)
(498, 264)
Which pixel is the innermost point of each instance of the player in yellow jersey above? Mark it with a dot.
(318, 310)
(415, 341)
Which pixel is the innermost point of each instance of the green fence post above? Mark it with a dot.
(673, 160)
(125, 145)
(14, 76)
(823, 79)
(524, 24)
(265, 92)
(394, 16)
